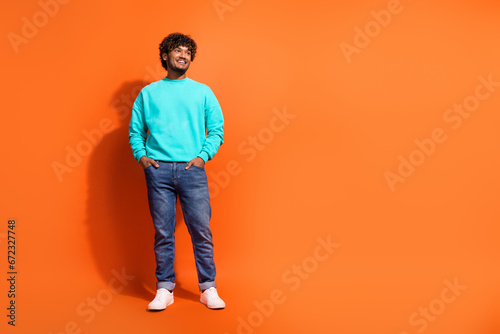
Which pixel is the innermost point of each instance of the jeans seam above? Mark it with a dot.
(194, 248)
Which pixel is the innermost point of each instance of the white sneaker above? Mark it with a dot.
(211, 299)
(163, 299)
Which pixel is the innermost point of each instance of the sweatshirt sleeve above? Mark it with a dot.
(137, 129)
(214, 123)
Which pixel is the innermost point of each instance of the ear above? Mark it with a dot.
(164, 55)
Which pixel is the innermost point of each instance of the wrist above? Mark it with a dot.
(203, 156)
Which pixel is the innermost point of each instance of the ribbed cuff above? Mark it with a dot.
(139, 155)
(204, 156)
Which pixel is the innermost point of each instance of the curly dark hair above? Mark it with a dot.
(174, 40)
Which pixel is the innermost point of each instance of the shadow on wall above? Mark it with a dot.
(120, 227)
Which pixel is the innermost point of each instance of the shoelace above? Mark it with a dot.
(160, 294)
(212, 293)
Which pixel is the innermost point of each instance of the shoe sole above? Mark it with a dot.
(213, 308)
(161, 309)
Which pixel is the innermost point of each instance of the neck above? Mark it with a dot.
(172, 75)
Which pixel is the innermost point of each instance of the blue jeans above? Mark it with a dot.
(164, 184)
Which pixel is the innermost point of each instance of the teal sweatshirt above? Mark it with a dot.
(184, 120)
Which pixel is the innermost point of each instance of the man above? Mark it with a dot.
(186, 127)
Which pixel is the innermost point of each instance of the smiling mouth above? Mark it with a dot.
(181, 62)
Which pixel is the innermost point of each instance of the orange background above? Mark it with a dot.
(322, 174)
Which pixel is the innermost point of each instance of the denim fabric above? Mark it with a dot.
(164, 184)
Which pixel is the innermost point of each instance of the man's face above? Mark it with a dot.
(178, 59)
